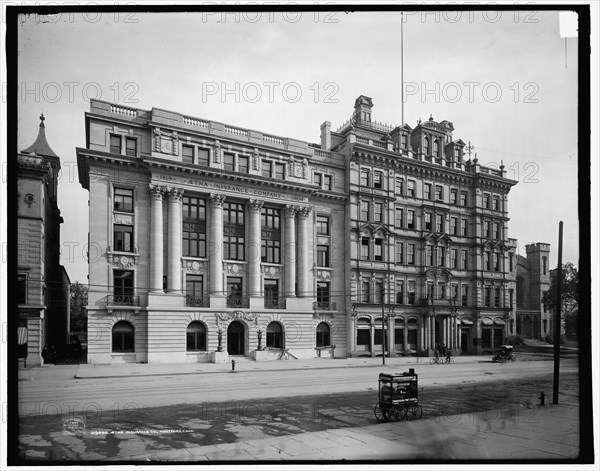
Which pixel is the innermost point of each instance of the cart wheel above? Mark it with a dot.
(432, 361)
(380, 413)
(398, 413)
(414, 412)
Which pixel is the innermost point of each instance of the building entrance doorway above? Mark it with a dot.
(235, 338)
(464, 340)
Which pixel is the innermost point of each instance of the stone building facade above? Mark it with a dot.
(42, 282)
(210, 240)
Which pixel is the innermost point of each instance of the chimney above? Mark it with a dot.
(326, 135)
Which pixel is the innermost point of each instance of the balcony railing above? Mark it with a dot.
(237, 301)
(274, 303)
(437, 302)
(193, 301)
(122, 300)
(324, 306)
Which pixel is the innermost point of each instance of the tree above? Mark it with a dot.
(79, 297)
(569, 294)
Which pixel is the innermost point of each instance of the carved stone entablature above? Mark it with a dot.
(215, 199)
(174, 193)
(270, 271)
(121, 260)
(156, 192)
(323, 275)
(227, 317)
(234, 269)
(255, 205)
(195, 267)
(217, 152)
(438, 273)
(165, 143)
(255, 160)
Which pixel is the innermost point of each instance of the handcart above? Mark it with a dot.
(398, 397)
(503, 354)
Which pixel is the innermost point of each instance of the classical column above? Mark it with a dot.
(254, 247)
(303, 253)
(405, 339)
(156, 238)
(289, 251)
(215, 252)
(432, 332)
(174, 241)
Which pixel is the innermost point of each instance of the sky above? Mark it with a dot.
(507, 81)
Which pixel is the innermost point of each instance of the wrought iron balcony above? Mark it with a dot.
(192, 301)
(237, 301)
(122, 300)
(437, 302)
(274, 303)
(324, 306)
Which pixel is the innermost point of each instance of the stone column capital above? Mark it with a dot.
(255, 205)
(215, 199)
(289, 211)
(174, 194)
(304, 211)
(155, 192)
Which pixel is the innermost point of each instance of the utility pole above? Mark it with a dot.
(383, 322)
(557, 316)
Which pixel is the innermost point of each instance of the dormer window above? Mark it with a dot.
(436, 148)
(426, 146)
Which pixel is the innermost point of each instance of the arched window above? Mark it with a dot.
(323, 337)
(123, 338)
(436, 148)
(426, 146)
(363, 335)
(274, 335)
(196, 337)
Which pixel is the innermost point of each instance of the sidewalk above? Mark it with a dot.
(549, 433)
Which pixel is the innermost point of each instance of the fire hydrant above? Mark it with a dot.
(542, 399)
(232, 365)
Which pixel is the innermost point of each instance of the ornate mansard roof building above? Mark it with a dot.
(208, 240)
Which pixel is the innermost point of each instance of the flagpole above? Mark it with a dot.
(402, 68)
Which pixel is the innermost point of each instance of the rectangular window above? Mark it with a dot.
(377, 213)
(399, 187)
(453, 196)
(487, 265)
(497, 231)
(429, 290)
(322, 225)
(410, 254)
(130, 146)
(280, 171)
(378, 291)
(203, 157)
(496, 203)
(377, 180)
(21, 288)
(234, 291)
(486, 200)
(429, 255)
(463, 198)
(511, 295)
(364, 177)
(411, 291)
(496, 262)
(364, 210)
(233, 213)
(463, 227)
(271, 251)
(323, 295)
(399, 252)
(400, 292)
(410, 219)
(194, 289)
(322, 255)
(454, 258)
(486, 229)
(453, 226)
(271, 293)
(378, 249)
(187, 154)
(327, 182)
(510, 262)
(194, 242)
(115, 144)
(271, 218)
(233, 247)
(427, 221)
(399, 218)
(497, 297)
(439, 193)
(266, 168)
(364, 248)
(440, 256)
(454, 294)
(228, 161)
(123, 200)
(439, 223)
(410, 190)
(463, 259)
(318, 179)
(427, 191)
(123, 287)
(243, 164)
(194, 208)
(488, 297)
(123, 238)
(464, 294)
(365, 295)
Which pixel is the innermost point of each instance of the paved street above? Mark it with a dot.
(217, 415)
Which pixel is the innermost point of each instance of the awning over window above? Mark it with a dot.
(486, 321)
(466, 321)
(498, 321)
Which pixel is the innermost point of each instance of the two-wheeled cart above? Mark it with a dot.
(398, 397)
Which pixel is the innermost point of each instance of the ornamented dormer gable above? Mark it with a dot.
(454, 150)
(428, 138)
(375, 230)
(437, 238)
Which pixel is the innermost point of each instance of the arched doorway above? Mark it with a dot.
(527, 328)
(236, 338)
